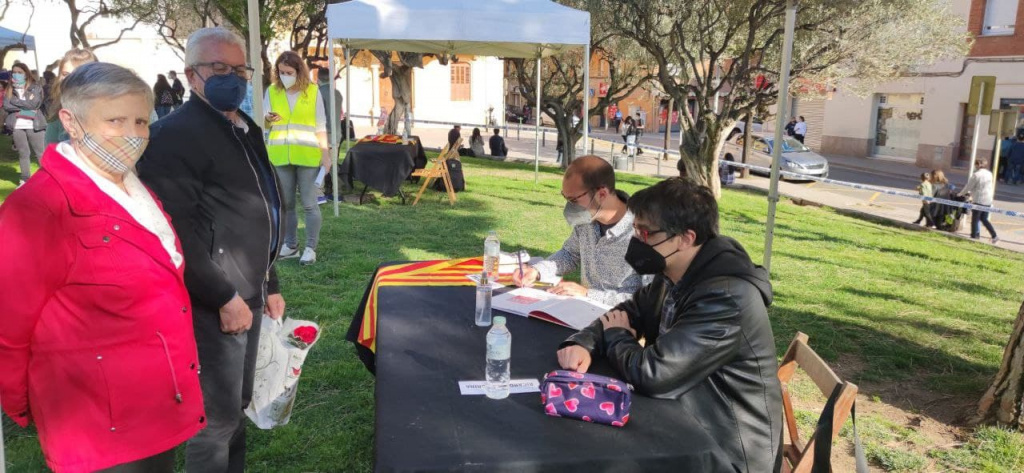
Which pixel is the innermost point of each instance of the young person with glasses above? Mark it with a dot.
(704, 318)
(601, 230)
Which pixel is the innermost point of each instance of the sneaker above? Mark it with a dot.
(308, 257)
(322, 200)
(995, 240)
(288, 252)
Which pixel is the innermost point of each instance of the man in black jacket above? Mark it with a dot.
(208, 164)
(709, 344)
(497, 144)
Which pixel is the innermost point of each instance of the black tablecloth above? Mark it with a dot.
(427, 342)
(382, 166)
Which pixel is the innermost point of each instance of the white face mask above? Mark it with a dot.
(287, 81)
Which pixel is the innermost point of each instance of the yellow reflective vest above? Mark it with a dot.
(293, 138)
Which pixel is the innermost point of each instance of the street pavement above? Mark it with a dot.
(887, 174)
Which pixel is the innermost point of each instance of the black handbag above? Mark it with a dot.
(458, 178)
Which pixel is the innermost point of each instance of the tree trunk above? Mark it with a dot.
(401, 90)
(1004, 401)
(568, 136)
(747, 133)
(699, 157)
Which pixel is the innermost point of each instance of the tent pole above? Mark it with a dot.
(35, 53)
(585, 118)
(536, 126)
(780, 119)
(334, 124)
(256, 61)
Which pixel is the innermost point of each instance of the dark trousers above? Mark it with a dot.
(799, 137)
(925, 215)
(982, 217)
(228, 363)
(159, 463)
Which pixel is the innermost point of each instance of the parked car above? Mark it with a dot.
(742, 124)
(796, 157)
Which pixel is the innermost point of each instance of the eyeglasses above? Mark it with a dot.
(221, 69)
(573, 200)
(644, 234)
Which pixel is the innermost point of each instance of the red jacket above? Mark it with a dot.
(96, 339)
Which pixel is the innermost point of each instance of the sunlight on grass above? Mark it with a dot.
(912, 306)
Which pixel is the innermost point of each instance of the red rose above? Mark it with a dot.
(307, 334)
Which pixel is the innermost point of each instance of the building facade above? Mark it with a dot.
(924, 119)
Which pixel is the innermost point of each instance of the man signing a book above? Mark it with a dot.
(601, 230)
(709, 344)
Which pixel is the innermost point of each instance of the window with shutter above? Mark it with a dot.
(1000, 17)
(461, 83)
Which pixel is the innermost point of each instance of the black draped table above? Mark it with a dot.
(427, 342)
(382, 166)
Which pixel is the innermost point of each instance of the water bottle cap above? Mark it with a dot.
(498, 320)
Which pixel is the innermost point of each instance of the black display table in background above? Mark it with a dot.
(382, 166)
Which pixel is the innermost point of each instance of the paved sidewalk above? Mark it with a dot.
(898, 210)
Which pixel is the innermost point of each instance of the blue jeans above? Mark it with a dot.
(1014, 171)
(977, 218)
(162, 110)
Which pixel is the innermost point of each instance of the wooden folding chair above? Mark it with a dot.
(799, 457)
(439, 169)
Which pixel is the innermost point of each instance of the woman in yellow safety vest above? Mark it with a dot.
(297, 145)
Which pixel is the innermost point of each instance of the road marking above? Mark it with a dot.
(875, 196)
(812, 184)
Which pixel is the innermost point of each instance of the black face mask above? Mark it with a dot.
(644, 259)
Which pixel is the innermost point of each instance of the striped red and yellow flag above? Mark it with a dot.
(419, 274)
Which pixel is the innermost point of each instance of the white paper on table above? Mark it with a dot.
(320, 177)
(516, 386)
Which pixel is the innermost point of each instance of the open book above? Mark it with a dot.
(572, 312)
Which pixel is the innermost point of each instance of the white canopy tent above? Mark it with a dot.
(10, 37)
(505, 28)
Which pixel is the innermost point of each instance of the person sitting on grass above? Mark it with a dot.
(497, 144)
(709, 343)
(601, 228)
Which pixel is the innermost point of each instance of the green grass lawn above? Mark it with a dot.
(905, 307)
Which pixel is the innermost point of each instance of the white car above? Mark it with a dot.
(796, 157)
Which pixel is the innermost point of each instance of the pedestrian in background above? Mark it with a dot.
(298, 149)
(177, 88)
(791, 127)
(979, 187)
(800, 129)
(23, 102)
(1015, 160)
(97, 346)
(72, 59)
(164, 100)
(497, 144)
(925, 190)
(1004, 171)
(726, 173)
(208, 164)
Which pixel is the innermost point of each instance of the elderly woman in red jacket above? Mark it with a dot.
(96, 340)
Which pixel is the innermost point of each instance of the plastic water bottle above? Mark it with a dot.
(499, 353)
(492, 250)
(483, 301)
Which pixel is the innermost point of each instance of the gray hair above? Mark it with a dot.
(98, 80)
(203, 37)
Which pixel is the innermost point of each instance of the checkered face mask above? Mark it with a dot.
(113, 154)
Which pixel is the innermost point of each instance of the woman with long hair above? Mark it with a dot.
(297, 145)
(23, 102)
(476, 143)
(72, 59)
(164, 96)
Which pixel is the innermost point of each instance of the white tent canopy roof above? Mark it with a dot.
(9, 37)
(504, 28)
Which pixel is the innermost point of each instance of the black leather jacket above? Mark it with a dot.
(709, 345)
